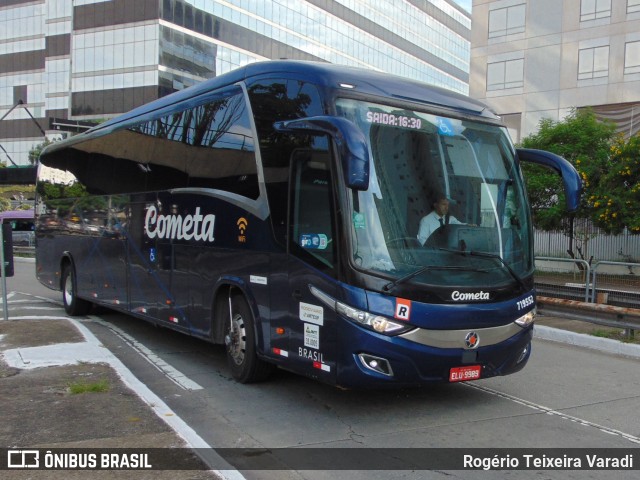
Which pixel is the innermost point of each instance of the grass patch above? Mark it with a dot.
(99, 386)
(616, 334)
(602, 333)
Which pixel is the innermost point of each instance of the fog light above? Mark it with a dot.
(377, 364)
(523, 355)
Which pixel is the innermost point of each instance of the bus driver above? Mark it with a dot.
(438, 217)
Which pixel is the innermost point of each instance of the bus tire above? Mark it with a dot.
(73, 305)
(240, 343)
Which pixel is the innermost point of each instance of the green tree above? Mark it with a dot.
(35, 151)
(4, 204)
(614, 202)
(584, 141)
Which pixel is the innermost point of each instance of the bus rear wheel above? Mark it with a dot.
(73, 305)
(240, 342)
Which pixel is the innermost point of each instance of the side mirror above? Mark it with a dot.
(570, 176)
(351, 143)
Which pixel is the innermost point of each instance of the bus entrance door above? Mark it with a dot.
(312, 263)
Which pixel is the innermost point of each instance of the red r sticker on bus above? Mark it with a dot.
(403, 309)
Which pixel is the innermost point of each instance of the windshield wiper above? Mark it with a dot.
(494, 256)
(503, 262)
(391, 285)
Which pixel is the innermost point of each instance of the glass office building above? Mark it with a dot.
(63, 61)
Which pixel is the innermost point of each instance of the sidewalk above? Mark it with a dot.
(584, 334)
(49, 365)
(45, 357)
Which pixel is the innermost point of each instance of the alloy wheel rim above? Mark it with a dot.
(68, 291)
(237, 335)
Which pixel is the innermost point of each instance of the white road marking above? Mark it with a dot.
(170, 372)
(92, 350)
(161, 409)
(550, 411)
(30, 307)
(38, 317)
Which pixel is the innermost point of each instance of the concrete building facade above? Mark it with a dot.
(63, 61)
(535, 59)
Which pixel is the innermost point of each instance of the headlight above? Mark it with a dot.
(377, 323)
(527, 319)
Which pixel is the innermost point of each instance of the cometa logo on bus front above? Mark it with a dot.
(178, 227)
(457, 296)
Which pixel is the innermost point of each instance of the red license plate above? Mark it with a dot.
(461, 374)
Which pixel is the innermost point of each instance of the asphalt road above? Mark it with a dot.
(567, 397)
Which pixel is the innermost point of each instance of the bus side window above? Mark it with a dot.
(312, 223)
(275, 99)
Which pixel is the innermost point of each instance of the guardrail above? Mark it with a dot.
(606, 293)
(625, 290)
(580, 273)
(627, 319)
(612, 283)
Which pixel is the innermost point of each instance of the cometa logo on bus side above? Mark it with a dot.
(176, 227)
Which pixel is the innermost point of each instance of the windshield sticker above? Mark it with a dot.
(359, 221)
(392, 120)
(403, 309)
(312, 336)
(445, 127)
(314, 241)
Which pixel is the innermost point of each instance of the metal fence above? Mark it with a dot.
(604, 268)
(589, 242)
(606, 282)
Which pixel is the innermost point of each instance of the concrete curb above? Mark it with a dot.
(93, 351)
(587, 341)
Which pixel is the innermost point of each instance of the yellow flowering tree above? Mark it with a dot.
(584, 141)
(615, 202)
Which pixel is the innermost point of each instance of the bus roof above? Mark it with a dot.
(363, 81)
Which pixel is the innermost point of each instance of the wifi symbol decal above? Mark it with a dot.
(242, 227)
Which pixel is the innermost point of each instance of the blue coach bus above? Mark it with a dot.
(277, 209)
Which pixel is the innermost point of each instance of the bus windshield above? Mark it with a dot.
(445, 204)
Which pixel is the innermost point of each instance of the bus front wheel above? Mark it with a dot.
(73, 305)
(240, 342)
